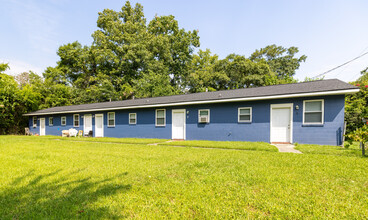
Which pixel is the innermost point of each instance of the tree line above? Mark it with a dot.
(130, 57)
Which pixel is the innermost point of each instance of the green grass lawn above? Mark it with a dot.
(44, 178)
(352, 151)
(241, 145)
(106, 139)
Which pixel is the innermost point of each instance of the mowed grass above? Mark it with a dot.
(106, 139)
(43, 178)
(352, 151)
(240, 145)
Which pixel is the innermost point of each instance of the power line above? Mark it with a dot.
(324, 73)
(342, 70)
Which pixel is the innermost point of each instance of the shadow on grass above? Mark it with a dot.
(57, 195)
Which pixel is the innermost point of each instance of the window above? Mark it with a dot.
(132, 118)
(204, 116)
(51, 121)
(313, 112)
(111, 119)
(160, 117)
(76, 120)
(63, 121)
(34, 121)
(245, 114)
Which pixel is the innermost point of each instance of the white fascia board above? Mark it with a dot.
(338, 92)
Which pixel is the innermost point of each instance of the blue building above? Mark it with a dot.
(310, 113)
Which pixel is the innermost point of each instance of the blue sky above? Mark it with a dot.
(328, 32)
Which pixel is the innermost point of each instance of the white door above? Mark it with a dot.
(281, 125)
(42, 127)
(178, 124)
(87, 124)
(99, 125)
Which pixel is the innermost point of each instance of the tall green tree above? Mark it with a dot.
(56, 89)
(208, 73)
(356, 105)
(15, 100)
(173, 46)
(129, 50)
(281, 60)
(202, 75)
(243, 72)
(8, 102)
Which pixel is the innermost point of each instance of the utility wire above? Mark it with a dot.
(342, 70)
(324, 73)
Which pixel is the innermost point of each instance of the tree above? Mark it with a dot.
(281, 61)
(154, 84)
(202, 75)
(126, 58)
(8, 100)
(15, 100)
(56, 88)
(173, 46)
(359, 135)
(244, 73)
(310, 79)
(364, 77)
(207, 73)
(356, 107)
(128, 48)
(4, 67)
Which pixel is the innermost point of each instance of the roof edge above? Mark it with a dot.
(335, 92)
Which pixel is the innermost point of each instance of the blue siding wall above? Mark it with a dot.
(56, 128)
(331, 132)
(223, 124)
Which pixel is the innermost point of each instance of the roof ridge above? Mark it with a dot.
(262, 91)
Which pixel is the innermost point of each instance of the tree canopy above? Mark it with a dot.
(132, 57)
(15, 100)
(281, 60)
(356, 105)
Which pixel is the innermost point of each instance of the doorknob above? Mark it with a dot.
(288, 126)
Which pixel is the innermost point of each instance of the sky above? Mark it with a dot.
(328, 32)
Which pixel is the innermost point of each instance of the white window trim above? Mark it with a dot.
(61, 120)
(111, 126)
(250, 113)
(199, 115)
(164, 117)
(74, 120)
(33, 119)
(51, 124)
(323, 112)
(135, 117)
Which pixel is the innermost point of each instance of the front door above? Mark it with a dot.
(99, 125)
(42, 127)
(178, 124)
(87, 124)
(281, 123)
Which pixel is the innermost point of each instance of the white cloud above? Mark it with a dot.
(17, 67)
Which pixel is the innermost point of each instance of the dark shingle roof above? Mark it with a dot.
(258, 92)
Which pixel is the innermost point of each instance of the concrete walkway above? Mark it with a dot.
(286, 148)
